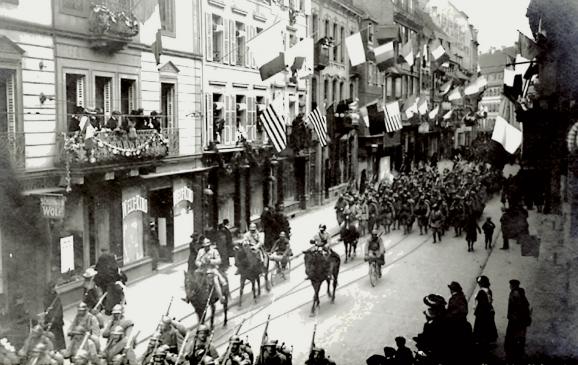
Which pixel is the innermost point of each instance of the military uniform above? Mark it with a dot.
(194, 354)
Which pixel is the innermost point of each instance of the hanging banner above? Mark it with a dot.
(133, 204)
(66, 254)
(52, 205)
(183, 193)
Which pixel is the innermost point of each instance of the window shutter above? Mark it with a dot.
(253, 35)
(11, 104)
(233, 40)
(229, 119)
(209, 131)
(245, 49)
(131, 96)
(80, 91)
(209, 40)
(251, 125)
(107, 99)
(170, 107)
(226, 42)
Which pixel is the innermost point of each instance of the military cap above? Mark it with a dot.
(202, 328)
(235, 339)
(117, 309)
(271, 343)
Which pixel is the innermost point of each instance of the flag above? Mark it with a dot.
(157, 46)
(471, 88)
(527, 47)
(384, 56)
(509, 77)
(267, 45)
(422, 106)
(448, 115)
(274, 124)
(455, 94)
(434, 112)
(307, 7)
(355, 49)
(319, 124)
(481, 82)
(300, 57)
(507, 135)
(439, 53)
(148, 14)
(445, 87)
(522, 65)
(376, 118)
(407, 53)
(364, 115)
(410, 107)
(272, 67)
(392, 117)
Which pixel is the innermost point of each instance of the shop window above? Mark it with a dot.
(168, 105)
(127, 96)
(103, 95)
(240, 43)
(167, 12)
(75, 96)
(8, 104)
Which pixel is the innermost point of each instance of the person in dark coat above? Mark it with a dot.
(194, 246)
(269, 229)
(54, 316)
(519, 318)
(488, 228)
(507, 231)
(459, 329)
(281, 222)
(403, 355)
(485, 332)
(471, 228)
(154, 244)
(228, 238)
(222, 246)
(106, 269)
(154, 121)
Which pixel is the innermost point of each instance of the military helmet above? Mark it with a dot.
(82, 306)
(206, 242)
(252, 226)
(117, 330)
(40, 347)
(235, 339)
(271, 343)
(202, 329)
(117, 309)
(166, 320)
(322, 226)
(208, 361)
(375, 232)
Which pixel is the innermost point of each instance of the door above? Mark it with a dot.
(161, 213)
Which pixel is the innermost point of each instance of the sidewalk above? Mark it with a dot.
(148, 299)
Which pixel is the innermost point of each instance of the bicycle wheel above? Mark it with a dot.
(373, 273)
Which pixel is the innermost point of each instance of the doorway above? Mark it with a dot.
(161, 213)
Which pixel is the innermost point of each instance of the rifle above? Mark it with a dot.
(263, 338)
(207, 348)
(82, 343)
(160, 323)
(202, 319)
(100, 300)
(313, 339)
(226, 355)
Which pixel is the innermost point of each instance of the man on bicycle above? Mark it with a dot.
(375, 249)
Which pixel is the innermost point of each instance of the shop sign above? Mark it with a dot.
(52, 205)
(181, 194)
(136, 203)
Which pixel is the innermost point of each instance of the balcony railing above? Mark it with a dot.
(110, 147)
(112, 24)
(13, 146)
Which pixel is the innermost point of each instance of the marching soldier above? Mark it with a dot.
(118, 319)
(271, 356)
(78, 345)
(42, 355)
(196, 348)
(239, 353)
(88, 321)
(118, 350)
(37, 336)
(154, 343)
(317, 357)
(169, 336)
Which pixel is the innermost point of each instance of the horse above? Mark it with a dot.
(422, 211)
(349, 234)
(198, 286)
(251, 268)
(322, 268)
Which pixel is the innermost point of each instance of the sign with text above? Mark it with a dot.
(133, 204)
(66, 254)
(181, 194)
(52, 206)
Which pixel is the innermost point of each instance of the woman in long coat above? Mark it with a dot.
(485, 332)
(471, 228)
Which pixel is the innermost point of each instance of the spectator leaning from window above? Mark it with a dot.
(154, 121)
(114, 121)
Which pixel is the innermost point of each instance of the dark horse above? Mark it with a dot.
(349, 234)
(322, 268)
(251, 268)
(197, 289)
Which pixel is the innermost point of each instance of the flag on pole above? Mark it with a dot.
(434, 112)
(267, 45)
(355, 49)
(445, 87)
(448, 115)
(439, 53)
(148, 14)
(384, 56)
(527, 47)
(319, 124)
(410, 107)
(300, 57)
(407, 52)
(507, 135)
(455, 94)
(392, 117)
(274, 124)
(422, 106)
(272, 67)
(471, 89)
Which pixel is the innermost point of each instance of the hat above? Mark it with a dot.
(202, 328)
(89, 273)
(515, 282)
(434, 300)
(271, 343)
(455, 286)
(206, 242)
(431, 313)
(483, 281)
(252, 226)
(235, 339)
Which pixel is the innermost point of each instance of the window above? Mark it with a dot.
(241, 111)
(167, 12)
(168, 103)
(103, 95)
(315, 24)
(327, 29)
(337, 42)
(292, 39)
(370, 32)
(241, 37)
(389, 87)
(75, 96)
(326, 91)
(217, 108)
(73, 7)
(8, 103)
(313, 91)
(341, 46)
(341, 91)
(217, 32)
(351, 94)
(398, 87)
(291, 111)
(335, 92)
(127, 95)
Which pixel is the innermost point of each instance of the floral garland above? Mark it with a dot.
(105, 20)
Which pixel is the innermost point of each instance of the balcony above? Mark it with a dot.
(112, 147)
(321, 56)
(13, 146)
(112, 25)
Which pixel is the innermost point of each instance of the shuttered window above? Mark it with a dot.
(7, 101)
(229, 131)
(226, 42)
(103, 94)
(209, 130)
(168, 104)
(251, 118)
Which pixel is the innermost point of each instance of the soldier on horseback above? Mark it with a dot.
(281, 251)
(208, 261)
(375, 249)
(252, 238)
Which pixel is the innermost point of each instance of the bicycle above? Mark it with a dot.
(374, 271)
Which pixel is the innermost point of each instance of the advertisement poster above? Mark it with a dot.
(66, 254)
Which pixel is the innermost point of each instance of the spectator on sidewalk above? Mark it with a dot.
(194, 246)
(472, 230)
(488, 228)
(458, 328)
(154, 244)
(485, 332)
(519, 318)
(506, 222)
(403, 355)
(268, 224)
